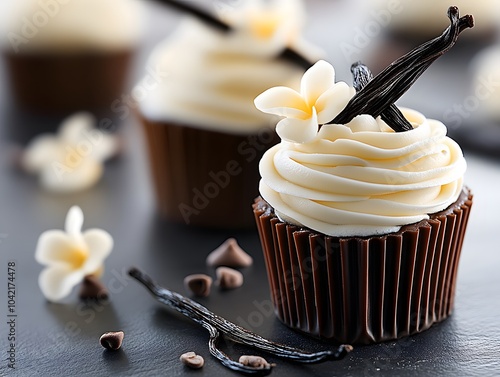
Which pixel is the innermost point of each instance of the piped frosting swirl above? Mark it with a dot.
(362, 178)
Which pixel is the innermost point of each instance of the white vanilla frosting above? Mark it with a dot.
(212, 77)
(429, 16)
(70, 25)
(362, 178)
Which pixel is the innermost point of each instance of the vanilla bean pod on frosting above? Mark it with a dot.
(389, 85)
(392, 116)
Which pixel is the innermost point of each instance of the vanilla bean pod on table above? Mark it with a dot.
(218, 326)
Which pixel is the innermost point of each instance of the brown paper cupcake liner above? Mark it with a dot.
(202, 177)
(364, 290)
(65, 83)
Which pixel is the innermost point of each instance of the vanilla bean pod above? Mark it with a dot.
(388, 86)
(392, 115)
(292, 56)
(225, 360)
(199, 13)
(217, 325)
(287, 54)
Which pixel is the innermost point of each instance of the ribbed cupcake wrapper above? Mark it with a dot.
(213, 175)
(64, 83)
(363, 290)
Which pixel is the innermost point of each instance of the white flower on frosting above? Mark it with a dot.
(73, 159)
(70, 255)
(319, 101)
(268, 18)
(266, 25)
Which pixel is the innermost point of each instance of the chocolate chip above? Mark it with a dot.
(192, 360)
(199, 284)
(112, 340)
(228, 278)
(93, 289)
(229, 254)
(255, 362)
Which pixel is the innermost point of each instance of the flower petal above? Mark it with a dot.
(104, 146)
(56, 247)
(61, 178)
(282, 101)
(317, 80)
(297, 130)
(74, 221)
(40, 151)
(99, 245)
(57, 282)
(333, 101)
(73, 128)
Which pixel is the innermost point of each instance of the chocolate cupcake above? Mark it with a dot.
(204, 136)
(362, 222)
(66, 56)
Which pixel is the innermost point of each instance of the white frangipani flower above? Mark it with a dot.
(265, 26)
(70, 255)
(319, 101)
(73, 159)
(268, 18)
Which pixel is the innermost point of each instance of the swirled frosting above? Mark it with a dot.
(212, 77)
(362, 178)
(70, 25)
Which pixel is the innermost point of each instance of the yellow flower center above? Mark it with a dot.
(77, 257)
(264, 25)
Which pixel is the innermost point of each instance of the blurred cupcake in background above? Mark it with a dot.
(205, 137)
(486, 84)
(63, 56)
(405, 23)
(420, 20)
